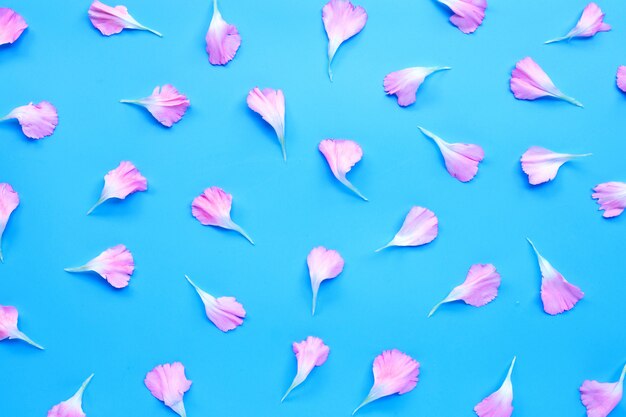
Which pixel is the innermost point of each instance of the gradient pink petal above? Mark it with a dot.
(9, 200)
(420, 227)
(342, 20)
(121, 182)
(212, 208)
(37, 120)
(342, 155)
(111, 20)
(323, 264)
(72, 407)
(115, 265)
(11, 25)
(590, 23)
(541, 164)
(468, 14)
(8, 326)
(222, 39)
(168, 383)
(621, 78)
(498, 404)
(225, 312)
(611, 197)
(530, 82)
(270, 104)
(405, 83)
(310, 353)
(165, 104)
(600, 398)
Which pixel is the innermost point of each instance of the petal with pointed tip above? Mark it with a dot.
(115, 265)
(342, 20)
(212, 208)
(420, 227)
(541, 164)
(498, 404)
(225, 312)
(270, 104)
(611, 198)
(222, 39)
(37, 120)
(111, 20)
(530, 82)
(600, 398)
(341, 155)
(168, 383)
(405, 83)
(591, 22)
(310, 353)
(323, 264)
(468, 14)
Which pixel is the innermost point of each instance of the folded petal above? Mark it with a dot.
(600, 398)
(222, 39)
(310, 353)
(9, 200)
(405, 83)
(498, 404)
(11, 25)
(37, 120)
(111, 20)
(342, 20)
(530, 82)
(590, 23)
(115, 265)
(394, 373)
(621, 78)
(541, 164)
(225, 312)
(121, 182)
(8, 326)
(270, 104)
(611, 197)
(419, 228)
(342, 155)
(168, 383)
(72, 407)
(165, 104)
(557, 294)
(323, 264)
(468, 14)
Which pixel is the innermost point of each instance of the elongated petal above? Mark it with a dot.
(468, 14)
(541, 164)
(168, 383)
(11, 25)
(420, 227)
(621, 78)
(165, 104)
(225, 312)
(600, 398)
(530, 82)
(270, 104)
(611, 197)
(8, 326)
(310, 353)
(405, 83)
(115, 265)
(498, 404)
(111, 20)
(590, 23)
(37, 120)
(9, 200)
(323, 264)
(121, 182)
(222, 39)
(342, 155)
(72, 407)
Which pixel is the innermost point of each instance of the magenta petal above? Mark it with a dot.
(120, 183)
(165, 104)
(323, 264)
(541, 165)
(72, 407)
(8, 326)
(530, 82)
(11, 25)
(611, 197)
(310, 353)
(342, 155)
(9, 200)
(498, 404)
(222, 39)
(37, 120)
(600, 398)
(405, 83)
(270, 104)
(115, 265)
(225, 312)
(621, 78)
(111, 20)
(468, 14)
(419, 228)
(168, 383)
(590, 23)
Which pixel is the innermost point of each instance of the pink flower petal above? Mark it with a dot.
(530, 82)
(621, 78)
(557, 294)
(37, 120)
(611, 197)
(590, 23)
(541, 164)
(480, 287)
(222, 39)
(11, 25)
(120, 183)
(342, 20)
(323, 264)
(168, 383)
(115, 265)
(342, 155)
(72, 407)
(419, 228)
(498, 404)
(600, 398)
(212, 208)
(310, 353)
(270, 104)
(461, 159)
(165, 104)
(111, 20)
(468, 14)
(394, 373)
(9, 200)
(8, 326)
(405, 83)
(225, 312)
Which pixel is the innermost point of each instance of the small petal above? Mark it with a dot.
(222, 39)
(120, 183)
(480, 287)
(530, 82)
(468, 14)
(165, 104)
(310, 353)
(72, 407)
(8, 326)
(11, 25)
(405, 83)
(270, 104)
(111, 20)
(342, 155)
(419, 228)
(611, 197)
(225, 312)
(541, 164)
(394, 373)
(9, 200)
(590, 23)
(168, 383)
(323, 264)
(557, 294)
(461, 159)
(37, 120)
(342, 20)
(621, 78)
(115, 265)
(600, 398)
(498, 404)
(212, 208)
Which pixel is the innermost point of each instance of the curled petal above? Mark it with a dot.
(419, 228)
(541, 164)
(611, 197)
(222, 39)
(11, 25)
(72, 407)
(600, 398)
(9, 200)
(310, 353)
(621, 78)
(225, 312)
(115, 265)
(405, 83)
(468, 14)
(323, 264)
(37, 120)
(530, 82)
(270, 104)
(111, 20)
(498, 404)
(168, 383)
(590, 23)
(120, 183)
(342, 155)
(165, 104)
(8, 326)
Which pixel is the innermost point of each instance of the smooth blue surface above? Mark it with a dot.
(381, 300)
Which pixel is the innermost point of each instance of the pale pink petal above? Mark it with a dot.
(8, 326)
(9, 200)
(120, 183)
(611, 197)
(11, 25)
(212, 208)
(270, 104)
(342, 155)
(541, 164)
(323, 264)
(394, 373)
(168, 383)
(310, 353)
(37, 120)
(405, 83)
(557, 294)
(165, 104)
(480, 287)
(461, 159)
(621, 78)
(72, 407)
(468, 14)
(111, 20)
(590, 23)
(222, 39)
(115, 265)
(225, 312)
(498, 404)
(530, 82)
(600, 398)
(419, 228)
(342, 20)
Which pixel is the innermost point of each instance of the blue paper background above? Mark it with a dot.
(381, 300)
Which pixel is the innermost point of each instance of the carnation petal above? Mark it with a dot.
(165, 104)
(115, 265)
(341, 155)
(270, 104)
(600, 398)
(222, 39)
(37, 120)
(530, 82)
(168, 383)
(611, 198)
(420, 227)
(468, 14)
(590, 23)
(541, 164)
(9, 200)
(72, 407)
(310, 353)
(405, 83)
(8, 326)
(111, 20)
(225, 312)
(323, 264)
(120, 183)
(498, 404)
(11, 25)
